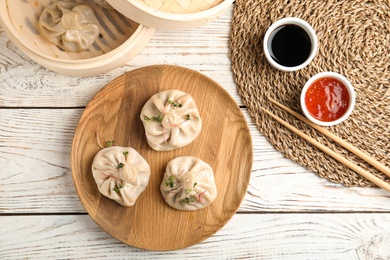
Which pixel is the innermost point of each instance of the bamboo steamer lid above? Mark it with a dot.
(171, 14)
(120, 39)
(124, 31)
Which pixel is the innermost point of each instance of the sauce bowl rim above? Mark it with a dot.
(295, 21)
(351, 92)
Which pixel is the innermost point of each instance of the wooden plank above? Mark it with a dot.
(36, 177)
(253, 236)
(39, 87)
(35, 160)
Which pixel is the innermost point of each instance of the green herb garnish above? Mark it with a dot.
(170, 183)
(158, 118)
(120, 166)
(189, 117)
(188, 200)
(188, 191)
(174, 104)
(125, 154)
(116, 189)
(109, 143)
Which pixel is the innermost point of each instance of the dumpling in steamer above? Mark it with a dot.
(69, 25)
(103, 3)
(121, 174)
(188, 184)
(171, 120)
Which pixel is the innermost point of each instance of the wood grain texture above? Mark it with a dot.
(255, 236)
(224, 143)
(287, 212)
(40, 87)
(35, 157)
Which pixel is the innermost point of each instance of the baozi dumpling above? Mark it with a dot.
(121, 174)
(103, 3)
(171, 120)
(188, 184)
(69, 25)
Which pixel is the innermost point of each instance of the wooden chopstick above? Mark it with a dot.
(381, 167)
(380, 183)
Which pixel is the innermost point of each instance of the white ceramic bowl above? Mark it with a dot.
(171, 15)
(347, 84)
(295, 21)
(120, 39)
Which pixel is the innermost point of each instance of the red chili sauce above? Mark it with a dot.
(327, 99)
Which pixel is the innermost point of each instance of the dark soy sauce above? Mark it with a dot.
(290, 45)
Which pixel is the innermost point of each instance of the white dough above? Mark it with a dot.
(188, 184)
(69, 25)
(121, 174)
(171, 120)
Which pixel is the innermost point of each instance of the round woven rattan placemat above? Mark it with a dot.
(354, 40)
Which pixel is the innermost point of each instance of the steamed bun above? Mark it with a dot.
(188, 184)
(171, 120)
(69, 25)
(121, 174)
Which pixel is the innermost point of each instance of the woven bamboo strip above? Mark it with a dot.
(181, 6)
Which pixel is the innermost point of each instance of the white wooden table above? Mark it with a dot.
(288, 212)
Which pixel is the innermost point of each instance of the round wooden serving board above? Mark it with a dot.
(224, 143)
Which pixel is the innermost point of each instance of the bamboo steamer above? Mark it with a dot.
(171, 14)
(119, 41)
(125, 30)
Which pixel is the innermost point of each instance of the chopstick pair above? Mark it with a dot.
(377, 181)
